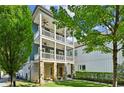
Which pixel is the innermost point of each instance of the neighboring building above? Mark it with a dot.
(94, 61)
(50, 58)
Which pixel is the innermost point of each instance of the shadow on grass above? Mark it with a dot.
(26, 84)
(79, 83)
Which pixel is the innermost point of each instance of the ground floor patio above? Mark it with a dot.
(52, 71)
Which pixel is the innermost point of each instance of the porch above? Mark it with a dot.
(51, 71)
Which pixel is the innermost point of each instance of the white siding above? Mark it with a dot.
(95, 61)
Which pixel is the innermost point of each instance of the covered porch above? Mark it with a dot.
(51, 71)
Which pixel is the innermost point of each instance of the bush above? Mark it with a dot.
(105, 77)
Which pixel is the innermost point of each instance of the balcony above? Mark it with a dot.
(69, 58)
(50, 56)
(47, 55)
(69, 42)
(60, 38)
(60, 57)
(48, 33)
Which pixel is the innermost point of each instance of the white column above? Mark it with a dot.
(41, 64)
(55, 71)
(65, 71)
(40, 37)
(65, 43)
(73, 54)
(73, 48)
(55, 41)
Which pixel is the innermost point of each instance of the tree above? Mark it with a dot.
(15, 38)
(83, 23)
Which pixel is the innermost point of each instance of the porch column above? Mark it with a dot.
(73, 71)
(41, 72)
(65, 43)
(65, 71)
(65, 65)
(55, 71)
(55, 41)
(40, 37)
(41, 64)
(73, 48)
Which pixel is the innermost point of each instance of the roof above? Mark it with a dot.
(77, 45)
(40, 7)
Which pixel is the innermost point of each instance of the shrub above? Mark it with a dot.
(105, 77)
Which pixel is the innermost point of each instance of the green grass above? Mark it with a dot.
(71, 83)
(26, 84)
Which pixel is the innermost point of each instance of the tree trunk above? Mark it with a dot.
(11, 79)
(14, 80)
(115, 63)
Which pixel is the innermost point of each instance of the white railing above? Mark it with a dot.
(60, 57)
(48, 33)
(51, 56)
(69, 42)
(60, 38)
(36, 56)
(48, 55)
(69, 58)
(36, 34)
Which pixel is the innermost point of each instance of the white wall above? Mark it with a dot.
(95, 61)
(68, 69)
(32, 74)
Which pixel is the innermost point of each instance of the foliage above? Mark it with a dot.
(105, 77)
(83, 23)
(15, 37)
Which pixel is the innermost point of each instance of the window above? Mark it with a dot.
(43, 49)
(51, 51)
(81, 67)
(71, 53)
(60, 53)
(76, 53)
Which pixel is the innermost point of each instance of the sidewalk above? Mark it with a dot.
(4, 81)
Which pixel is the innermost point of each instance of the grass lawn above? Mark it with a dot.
(71, 83)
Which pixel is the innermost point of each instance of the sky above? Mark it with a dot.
(32, 7)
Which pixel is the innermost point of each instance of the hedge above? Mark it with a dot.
(105, 77)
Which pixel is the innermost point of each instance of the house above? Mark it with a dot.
(50, 58)
(94, 61)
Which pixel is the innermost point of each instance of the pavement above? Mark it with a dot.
(4, 81)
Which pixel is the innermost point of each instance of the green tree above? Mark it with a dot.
(15, 38)
(86, 18)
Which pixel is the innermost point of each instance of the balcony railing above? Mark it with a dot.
(48, 55)
(60, 38)
(51, 35)
(51, 56)
(48, 33)
(69, 58)
(60, 57)
(69, 42)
